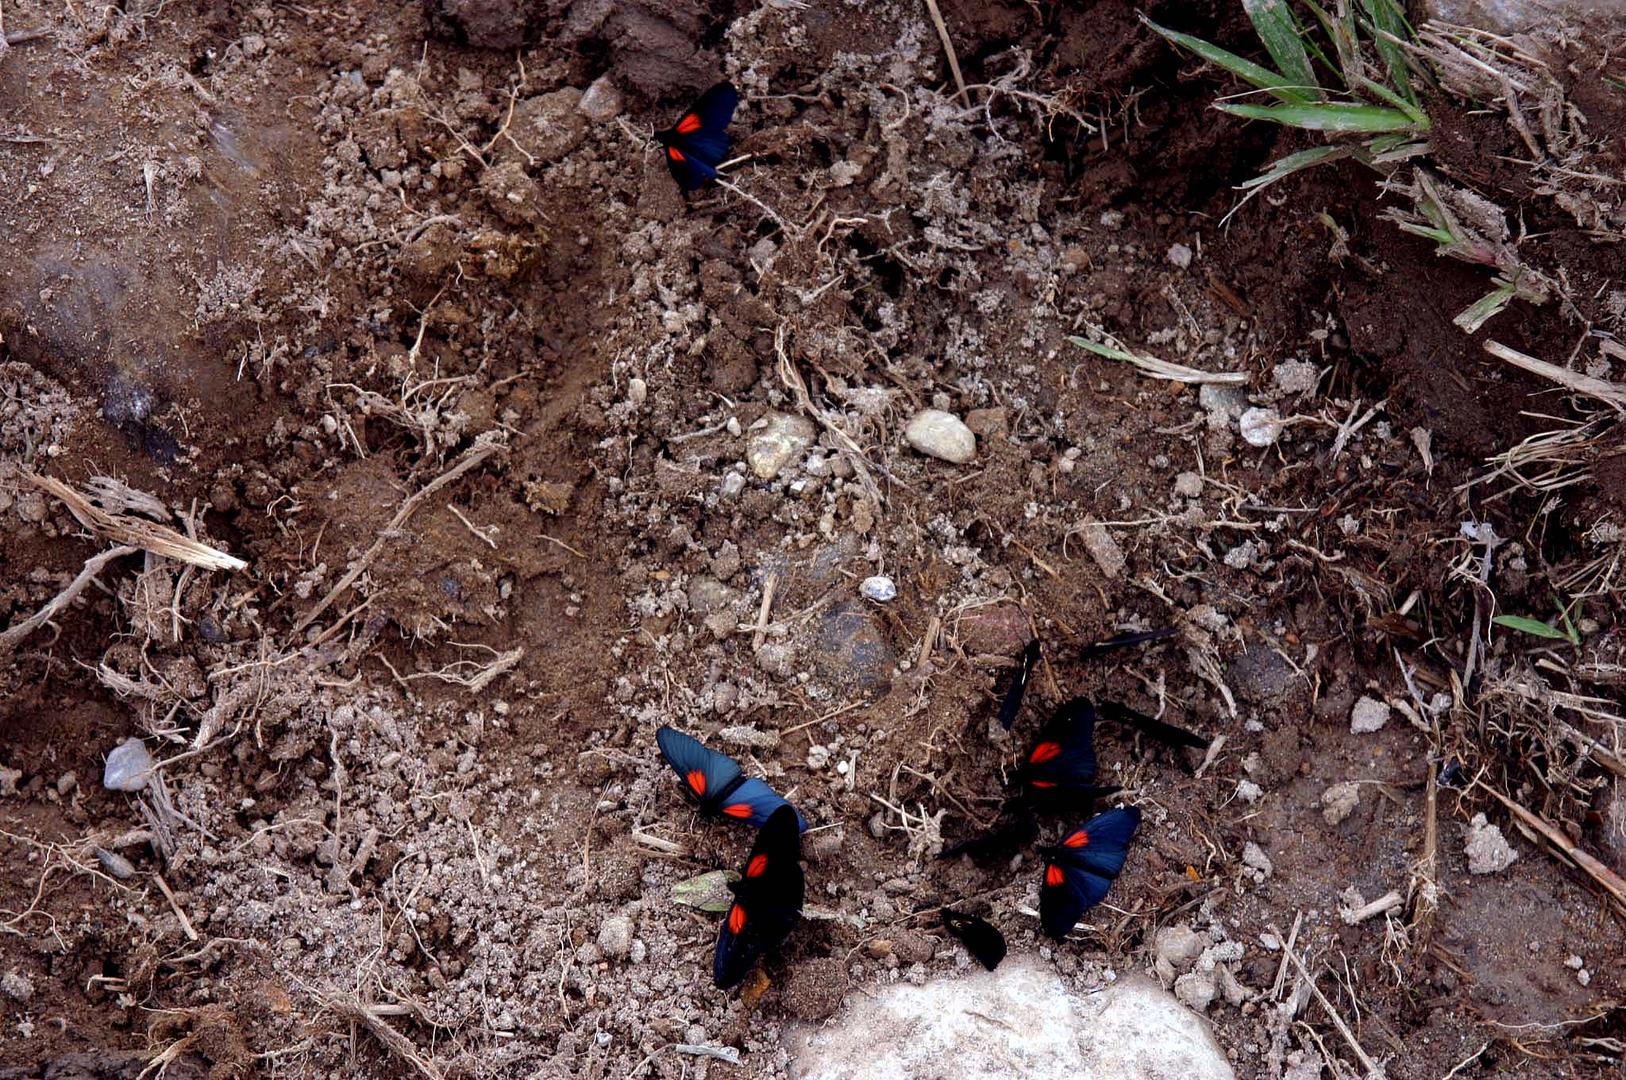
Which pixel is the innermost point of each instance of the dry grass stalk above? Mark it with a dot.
(483, 447)
(139, 532)
(371, 1017)
(948, 47)
(13, 637)
(1606, 878)
(1611, 393)
(798, 387)
(1373, 1069)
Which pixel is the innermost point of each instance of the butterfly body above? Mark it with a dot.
(717, 783)
(981, 938)
(1011, 704)
(767, 899)
(698, 142)
(1080, 869)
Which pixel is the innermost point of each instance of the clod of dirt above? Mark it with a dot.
(1339, 801)
(1020, 1021)
(1254, 857)
(850, 648)
(781, 440)
(1175, 949)
(16, 987)
(601, 102)
(1487, 849)
(815, 988)
(1368, 716)
(1295, 376)
(485, 24)
(941, 435)
(547, 127)
(615, 936)
(129, 767)
(1261, 427)
(994, 630)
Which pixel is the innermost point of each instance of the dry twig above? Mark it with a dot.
(13, 637)
(126, 529)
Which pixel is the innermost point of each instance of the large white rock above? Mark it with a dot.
(1020, 1022)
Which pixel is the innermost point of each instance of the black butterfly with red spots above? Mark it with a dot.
(1079, 870)
(698, 142)
(767, 899)
(717, 782)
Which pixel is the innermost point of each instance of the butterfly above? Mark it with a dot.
(1060, 769)
(767, 899)
(1157, 729)
(1012, 703)
(698, 142)
(981, 938)
(1079, 870)
(716, 782)
(1106, 645)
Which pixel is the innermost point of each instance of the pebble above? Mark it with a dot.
(1487, 849)
(849, 646)
(1188, 485)
(115, 864)
(615, 936)
(1368, 716)
(733, 483)
(941, 435)
(1176, 948)
(637, 391)
(1195, 989)
(1254, 856)
(878, 588)
(782, 439)
(16, 987)
(818, 756)
(1180, 255)
(602, 102)
(1223, 400)
(1295, 376)
(129, 766)
(1102, 547)
(1339, 801)
(1261, 427)
(1248, 791)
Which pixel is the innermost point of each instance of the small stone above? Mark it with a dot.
(878, 588)
(999, 629)
(1339, 801)
(615, 936)
(637, 391)
(1176, 948)
(1584, 977)
(115, 864)
(1575, 963)
(547, 127)
(253, 45)
(129, 767)
(1180, 255)
(1295, 376)
(1487, 849)
(941, 435)
(749, 735)
(602, 102)
(16, 987)
(1188, 485)
(781, 440)
(733, 483)
(8, 780)
(1248, 791)
(1102, 547)
(1261, 427)
(1368, 716)
(1254, 856)
(1112, 219)
(818, 756)
(1196, 990)
(1224, 401)
(988, 423)
(848, 646)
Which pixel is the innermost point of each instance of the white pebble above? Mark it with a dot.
(879, 588)
(637, 391)
(1261, 427)
(941, 435)
(129, 767)
(1368, 716)
(1180, 255)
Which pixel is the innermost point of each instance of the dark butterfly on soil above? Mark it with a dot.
(1157, 729)
(698, 142)
(1016, 828)
(980, 937)
(1060, 769)
(1106, 645)
(1080, 869)
(717, 783)
(1012, 703)
(767, 899)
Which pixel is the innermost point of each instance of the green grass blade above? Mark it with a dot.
(1476, 314)
(1377, 89)
(1292, 163)
(1246, 70)
(1389, 22)
(1530, 626)
(1327, 116)
(1278, 28)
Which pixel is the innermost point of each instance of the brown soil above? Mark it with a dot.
(281, 266)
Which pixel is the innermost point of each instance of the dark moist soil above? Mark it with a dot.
(281, 267)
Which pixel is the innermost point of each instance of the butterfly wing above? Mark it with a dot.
(1079, 870)
(981, 938)
(1012, 702)
(1157, 729)
(767, 899)
(709, 776)
(1121, 641)
(1016, 828)
(698, 142)
(1063, 757)
(756, 802)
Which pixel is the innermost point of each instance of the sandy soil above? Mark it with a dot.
(397, 304)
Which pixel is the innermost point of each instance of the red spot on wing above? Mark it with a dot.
(697, 782)
(757, 866)
(673, 153)
(1044, 783)
(1078, 839)
(1053, 876)
(1045, 751)
(738, 810)
(688, 124)
(736, 919)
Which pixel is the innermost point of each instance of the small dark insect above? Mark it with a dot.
(1157, 729)
(1451, 776)
(1012, 703)
(1079, 870)
(698, 142)
(717, 783)
(981, 938)
(767, 899)
(1060, 769)
(1106, 645)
